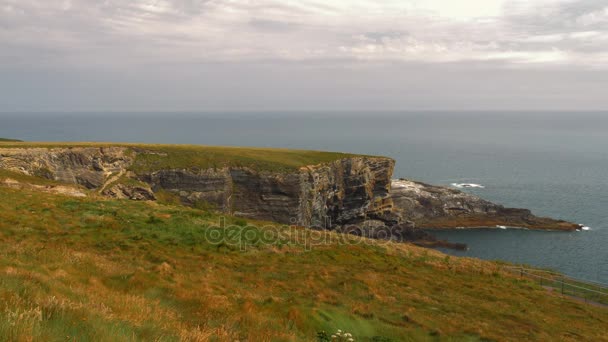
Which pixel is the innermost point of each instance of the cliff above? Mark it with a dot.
(276, 185)
(351, 193)
(431, 207)
(325, 195)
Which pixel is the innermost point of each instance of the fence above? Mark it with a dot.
(589, 291)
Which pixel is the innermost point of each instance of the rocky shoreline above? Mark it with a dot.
(437, 207)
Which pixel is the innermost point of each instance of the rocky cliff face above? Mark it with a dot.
(326, 195)
(332, 195)
(342, 192)
(86, 166)
(431, 206)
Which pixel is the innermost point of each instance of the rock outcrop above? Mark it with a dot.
(328, 195)
(86, 166)
(132, 192)
(441, 207)
(403, 232)
(355, 191)
(53, 189)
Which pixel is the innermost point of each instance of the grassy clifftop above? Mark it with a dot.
(159, 157)
(152, 157)
(92, 269)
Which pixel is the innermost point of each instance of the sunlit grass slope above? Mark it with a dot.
(95, 269)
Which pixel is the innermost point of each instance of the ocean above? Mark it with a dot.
(554, 163)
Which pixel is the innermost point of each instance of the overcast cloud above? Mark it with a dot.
(341, 54)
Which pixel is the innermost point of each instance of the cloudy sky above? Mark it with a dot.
(141, 55)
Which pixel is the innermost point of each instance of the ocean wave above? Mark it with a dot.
(582, 227)
(467, 185)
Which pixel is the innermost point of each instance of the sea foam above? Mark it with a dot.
(467, 185)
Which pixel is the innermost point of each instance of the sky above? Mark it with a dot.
(237, 55)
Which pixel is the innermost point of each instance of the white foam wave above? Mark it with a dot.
(583, 227)
(467, 185)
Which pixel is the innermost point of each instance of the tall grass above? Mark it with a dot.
(95, 269)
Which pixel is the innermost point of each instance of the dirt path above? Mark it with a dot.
(111, 180)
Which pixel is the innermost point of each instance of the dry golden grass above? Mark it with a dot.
(94, 269)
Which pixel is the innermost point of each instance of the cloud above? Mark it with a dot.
(190, 54)
(117, 33)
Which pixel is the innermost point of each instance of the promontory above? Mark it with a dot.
(325, 190)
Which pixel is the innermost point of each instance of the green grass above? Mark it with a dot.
(96, 269)
(9, 140)
(152, 157)
(203, 157)
(584, 290)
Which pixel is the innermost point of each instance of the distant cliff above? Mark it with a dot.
(306, 188)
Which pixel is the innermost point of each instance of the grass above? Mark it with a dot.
(152, 157)
(585, 290)
(91, 269)
(204, 157)
(9, 140)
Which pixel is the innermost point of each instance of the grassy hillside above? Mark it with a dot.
(95, 269)
(152, 157)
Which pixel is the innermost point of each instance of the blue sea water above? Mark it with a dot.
(554, 163)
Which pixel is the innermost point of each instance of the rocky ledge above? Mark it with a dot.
(436, 207)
